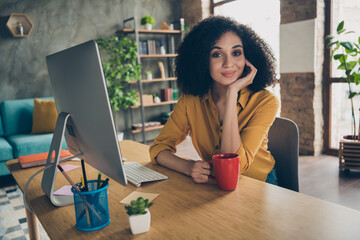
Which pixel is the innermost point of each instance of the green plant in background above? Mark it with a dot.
(347, 53)
(148, 19)
(138, 206)
(120, 66)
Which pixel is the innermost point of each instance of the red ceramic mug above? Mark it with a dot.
(226, 169)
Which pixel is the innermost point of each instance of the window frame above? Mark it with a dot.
(328, 81)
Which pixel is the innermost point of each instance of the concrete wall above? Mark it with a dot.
(59, 25)
(301, 68)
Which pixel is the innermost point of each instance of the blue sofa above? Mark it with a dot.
(15, 137)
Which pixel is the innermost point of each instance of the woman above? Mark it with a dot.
(222, 70)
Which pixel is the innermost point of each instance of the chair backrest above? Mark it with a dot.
(284, 146)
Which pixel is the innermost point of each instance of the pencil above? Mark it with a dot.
(77, 189)
(98, 181)
(86, 208)
(104, 183)
(84, 175)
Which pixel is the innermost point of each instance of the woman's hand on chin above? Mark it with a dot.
(246, 80)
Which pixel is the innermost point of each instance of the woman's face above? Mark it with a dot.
(227, 59)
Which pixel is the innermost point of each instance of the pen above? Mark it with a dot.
(86, 208)
(104, 183)
(83, 184)
(84, 175)
(98, 181)
(77, 189)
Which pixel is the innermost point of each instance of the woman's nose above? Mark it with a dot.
(228, 61)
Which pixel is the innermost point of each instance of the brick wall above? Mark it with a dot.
(297, 94)
(195, 10)
(297, 10)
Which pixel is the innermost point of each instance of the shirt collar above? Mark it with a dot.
(243, 99)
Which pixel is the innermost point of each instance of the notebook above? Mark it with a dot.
(39, 158)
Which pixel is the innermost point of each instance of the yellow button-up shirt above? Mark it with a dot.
(199, 116)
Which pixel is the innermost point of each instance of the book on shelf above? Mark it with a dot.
(152, 47)
(143, 48)
(39, 159)
(166, 94)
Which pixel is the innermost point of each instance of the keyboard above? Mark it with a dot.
(137, 174)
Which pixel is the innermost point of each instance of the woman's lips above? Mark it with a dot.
(228, 74)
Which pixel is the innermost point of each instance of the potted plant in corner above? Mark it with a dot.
(347, 53)
(148, 21)
(139, 215)
(120, 66)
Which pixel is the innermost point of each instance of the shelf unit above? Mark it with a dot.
(24, 20)
(170, 42)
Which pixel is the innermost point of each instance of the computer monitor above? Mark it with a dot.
(85, 116)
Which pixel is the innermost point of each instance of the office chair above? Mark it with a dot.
(284, 146)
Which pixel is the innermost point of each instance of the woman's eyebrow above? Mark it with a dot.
(216, 47)
(236, 46)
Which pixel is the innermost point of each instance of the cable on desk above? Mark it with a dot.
(34, 175)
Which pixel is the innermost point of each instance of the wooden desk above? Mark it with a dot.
(185, 210)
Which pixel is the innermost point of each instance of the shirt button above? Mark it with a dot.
(217, 147)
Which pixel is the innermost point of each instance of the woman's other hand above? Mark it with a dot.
(199, 171)
(246, 80)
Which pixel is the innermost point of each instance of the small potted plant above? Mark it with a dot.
(148, 75)
(139, 215)
(148, 21)
(157, 99)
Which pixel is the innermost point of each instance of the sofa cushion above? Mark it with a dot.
(17, 115)
(44, 116)
(6, 151)
(26, 144)
(1, 127)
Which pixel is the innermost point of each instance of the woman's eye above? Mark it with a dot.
(237, 53)
(216, 54)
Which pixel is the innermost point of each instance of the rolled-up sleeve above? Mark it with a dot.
(253, 135)
(174, 131)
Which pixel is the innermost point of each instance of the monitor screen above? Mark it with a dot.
(79, 90)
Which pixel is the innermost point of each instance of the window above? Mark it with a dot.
(339, 106)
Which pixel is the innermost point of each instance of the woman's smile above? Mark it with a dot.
(228, 74)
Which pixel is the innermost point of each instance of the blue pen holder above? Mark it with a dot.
(91, 207)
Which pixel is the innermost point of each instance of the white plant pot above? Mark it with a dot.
(148, 26)
(157, 100)
(149, 76)
(140, 223)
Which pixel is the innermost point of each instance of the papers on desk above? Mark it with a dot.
(64, 191)
(134, 195)
(68, 167)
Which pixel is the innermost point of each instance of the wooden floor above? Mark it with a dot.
(318, 177)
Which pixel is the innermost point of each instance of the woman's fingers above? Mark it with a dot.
(200, 171)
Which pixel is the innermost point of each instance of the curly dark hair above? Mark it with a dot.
(192, 61)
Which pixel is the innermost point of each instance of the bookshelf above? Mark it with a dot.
(151, 54)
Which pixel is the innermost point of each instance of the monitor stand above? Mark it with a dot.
(48, 179)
